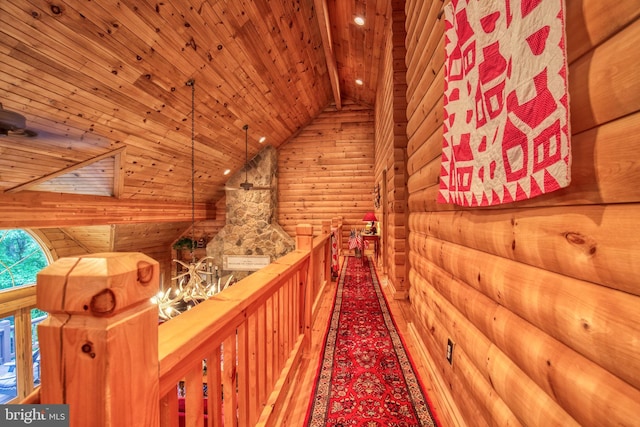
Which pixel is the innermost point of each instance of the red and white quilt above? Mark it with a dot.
(506, 106)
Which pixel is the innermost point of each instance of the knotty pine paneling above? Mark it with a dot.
(60, 244)
(327, 170)
(97, 238)
(93, 77)
(539, 296)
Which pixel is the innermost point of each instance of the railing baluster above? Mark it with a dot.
(261, 353)
(282, 327)
(229, 382)
(169, 410)
(253, 384)
(243, 375)
(271, 327)
(194, 403)
(214, 388)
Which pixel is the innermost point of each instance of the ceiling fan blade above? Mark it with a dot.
(252, 188)
(14, 124)
(22, 133)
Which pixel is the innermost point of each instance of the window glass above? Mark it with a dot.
(21, 258)
(8, 389)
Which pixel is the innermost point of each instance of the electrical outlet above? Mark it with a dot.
(450, 351)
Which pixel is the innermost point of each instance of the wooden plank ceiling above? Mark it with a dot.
(106, 81)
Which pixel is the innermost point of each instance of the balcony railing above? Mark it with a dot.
(104, 353)
(16, 342)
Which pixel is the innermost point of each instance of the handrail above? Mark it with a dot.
(252, 337)
(13, 299)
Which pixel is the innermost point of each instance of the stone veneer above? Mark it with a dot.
(251, 227)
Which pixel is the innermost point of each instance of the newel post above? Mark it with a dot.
(326, 230)
(304, 242)
(336, 223)
(99, 345)
(304, 237)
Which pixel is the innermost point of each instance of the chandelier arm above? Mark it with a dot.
(185, 265)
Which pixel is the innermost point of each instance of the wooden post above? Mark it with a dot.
(336, 222)
(304, 237)
(22, 341)
(99, 345)
(304, 242)
(326, 230)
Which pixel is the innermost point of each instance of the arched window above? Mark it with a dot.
(21, 258)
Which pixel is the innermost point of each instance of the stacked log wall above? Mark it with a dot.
(391, 143)
(326, 170)
(539, 297)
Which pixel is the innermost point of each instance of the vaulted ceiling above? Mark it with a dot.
(102, 84)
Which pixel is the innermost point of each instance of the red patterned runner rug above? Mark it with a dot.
(365, 377)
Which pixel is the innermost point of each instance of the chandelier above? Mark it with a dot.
(195, 283)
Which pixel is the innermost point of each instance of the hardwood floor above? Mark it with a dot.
(295, 406)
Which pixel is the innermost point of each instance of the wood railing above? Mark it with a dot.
(18, 302)
(105, 355)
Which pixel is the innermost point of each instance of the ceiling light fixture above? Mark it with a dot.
(262, 139)
(227, 172)
(359, 20)
(359, 82)
(246, 185)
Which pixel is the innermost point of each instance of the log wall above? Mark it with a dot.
(540, 297)
(326, 171)
(391, 144)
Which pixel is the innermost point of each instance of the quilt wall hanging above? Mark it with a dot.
(506, 106)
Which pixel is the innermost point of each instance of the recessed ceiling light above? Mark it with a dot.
(359, 20)
(359, 82)
(262, 139)
(227, 171)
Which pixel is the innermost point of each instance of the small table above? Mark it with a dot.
(375, 239)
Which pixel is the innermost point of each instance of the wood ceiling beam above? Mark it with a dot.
(327, 43)
(36, 209)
